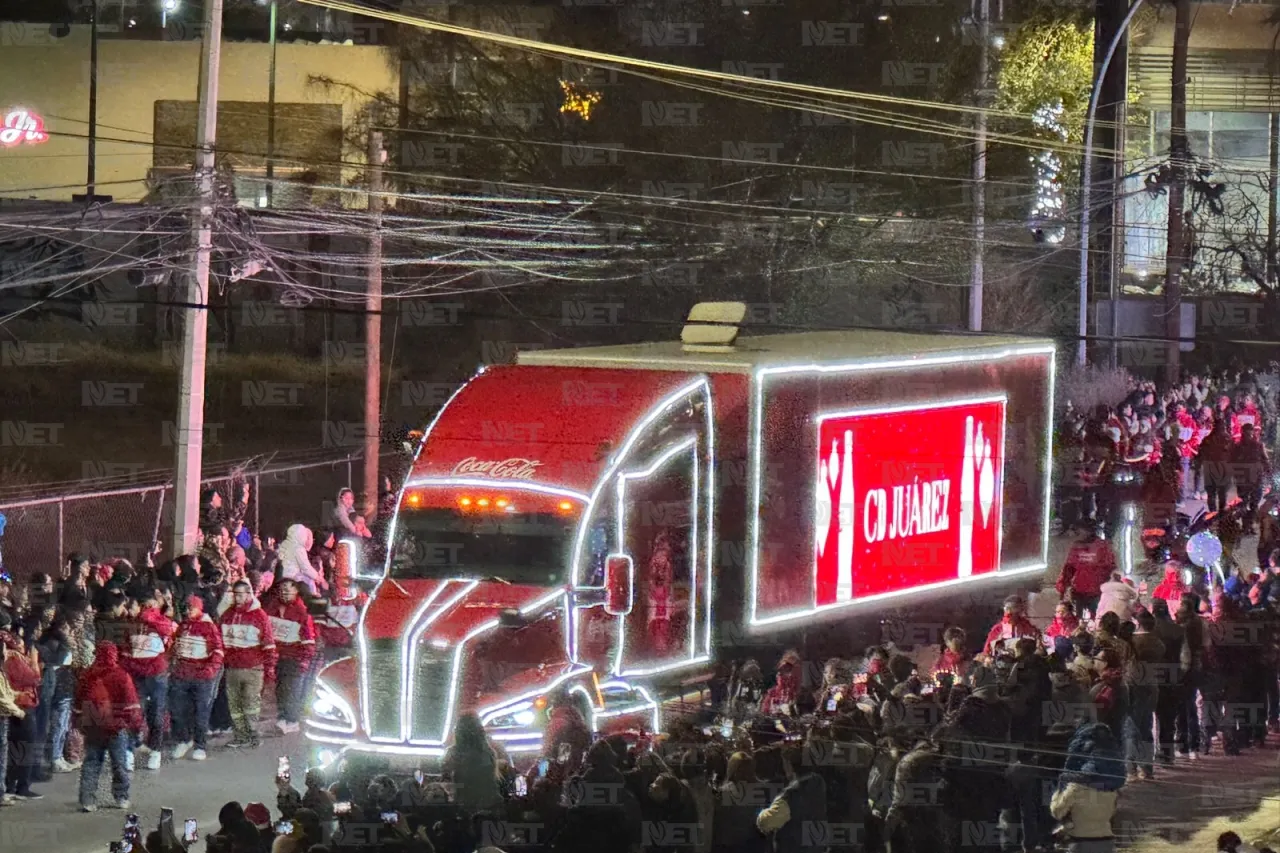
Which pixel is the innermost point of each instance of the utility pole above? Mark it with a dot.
(195, 326)
(271, 110)
(373, 323)
(1273, 197)
(91, 180)
(1176, 254)
(980, 170)
(1112, 28)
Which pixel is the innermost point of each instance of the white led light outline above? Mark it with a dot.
(524, 747)
(355, 550)
(504, 738)
(456, 672)
(858, 603)
(361, 638)
(648, 703)
(336, 699)
(409, 656)
(689, 443)
(381, 749)
(633, 436)
(492, 711)
(1048, 471)
(755, 418)
(496, 485)
(487, 718)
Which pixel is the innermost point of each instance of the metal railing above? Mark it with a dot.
(127, 521)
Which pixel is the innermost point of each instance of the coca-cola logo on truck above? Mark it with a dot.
(497, 469)
(907, 497)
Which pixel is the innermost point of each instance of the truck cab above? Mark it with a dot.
(603, 524)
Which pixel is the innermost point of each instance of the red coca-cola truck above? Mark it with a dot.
(612, 522)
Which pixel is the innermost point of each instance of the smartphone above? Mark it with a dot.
(726, 730)
(189, 833)
(831, 705)
(166, 822)
(543, 765)
(418, 777)
(282, 769)
(284, 827)
(565, 751)
(342, 808)
(522, 786)
(391, 818)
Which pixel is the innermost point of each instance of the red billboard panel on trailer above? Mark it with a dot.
(924, 479)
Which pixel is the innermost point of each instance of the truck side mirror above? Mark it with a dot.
(619, 580)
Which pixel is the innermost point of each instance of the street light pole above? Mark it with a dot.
(91, 179)
(1086, 185)
(977, 274)
(271, 110)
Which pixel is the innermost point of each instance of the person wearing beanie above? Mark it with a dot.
(295, 635)
(145, 656)
(249, 645)
(198, 657)
(259, 816)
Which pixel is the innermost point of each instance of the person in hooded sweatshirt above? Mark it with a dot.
(295, 563)
(1172, 588)
(146, 658)
(1089, 563)
(197, 659)
(1118, 597)
(107, 711)
(295, 634)
(250, 653)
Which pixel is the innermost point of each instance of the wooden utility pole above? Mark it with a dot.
(977, 274)
(1176, 254)
(373, 325)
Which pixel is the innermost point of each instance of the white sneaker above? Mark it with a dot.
(123, 805)
(293, 728)
(88, 809)
(153, 760)
(128, 761)
(198, 755)
(282, 727)
(61, 765)
(181, 750)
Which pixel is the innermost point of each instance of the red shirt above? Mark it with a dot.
(145, 650)
(247, 639)
(23, 678)
(197, 651)
(1009, 629)
(1089, 565)
(293, 629)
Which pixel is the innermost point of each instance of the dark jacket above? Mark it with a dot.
(807, 799)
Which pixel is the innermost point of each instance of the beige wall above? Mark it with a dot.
(51, 77)
(1215, 27)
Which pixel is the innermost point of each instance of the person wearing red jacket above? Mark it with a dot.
(1089, 565)
(336, 629)
(1249, 415)
(1185, 427)
(197, 664)
(22, 671)
(295, 635)
(1013, 625)
(107, 711)
(145, 656)
(249, 646)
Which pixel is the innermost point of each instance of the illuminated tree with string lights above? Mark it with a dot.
(1050, 201)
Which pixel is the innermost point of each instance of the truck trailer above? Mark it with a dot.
(611, 523)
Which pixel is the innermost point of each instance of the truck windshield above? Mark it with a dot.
(523, 548)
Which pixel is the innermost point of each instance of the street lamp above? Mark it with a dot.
(271, 105)
(1086, 190)
(167, 8)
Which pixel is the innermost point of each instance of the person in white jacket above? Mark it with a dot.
(1086, 814)
(1117, 597)
(295, 563)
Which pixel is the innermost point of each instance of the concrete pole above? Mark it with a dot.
(195, 327)
(271, 112)
(373, 326)
(978, 276)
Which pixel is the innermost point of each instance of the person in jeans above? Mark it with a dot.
(57, 689)
(250, 655)
(108, 712)
(1144, 683)
(22, 669)
(197, 671)
(295, 635)
(146, 658)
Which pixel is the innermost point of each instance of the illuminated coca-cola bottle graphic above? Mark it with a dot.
(965, 567)
(844, 545)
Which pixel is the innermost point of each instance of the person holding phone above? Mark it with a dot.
(567, 736)
(472, 766)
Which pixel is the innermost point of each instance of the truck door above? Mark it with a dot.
(661, 510)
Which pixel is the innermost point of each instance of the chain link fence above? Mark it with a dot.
(125, 522)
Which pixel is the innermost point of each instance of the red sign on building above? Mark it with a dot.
(908, 496)
(22, 127)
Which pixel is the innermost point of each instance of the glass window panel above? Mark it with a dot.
(1161, 120)
(1240, 145)
(1199, 121)
(1223, 121)
(1198, 141)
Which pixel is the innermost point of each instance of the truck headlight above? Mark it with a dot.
(330, 711)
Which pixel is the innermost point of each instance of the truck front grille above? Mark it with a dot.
(431, 697)
(384, 688)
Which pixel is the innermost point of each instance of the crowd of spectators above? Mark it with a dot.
(117, 664)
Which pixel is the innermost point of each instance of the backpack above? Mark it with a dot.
(1094, 758)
